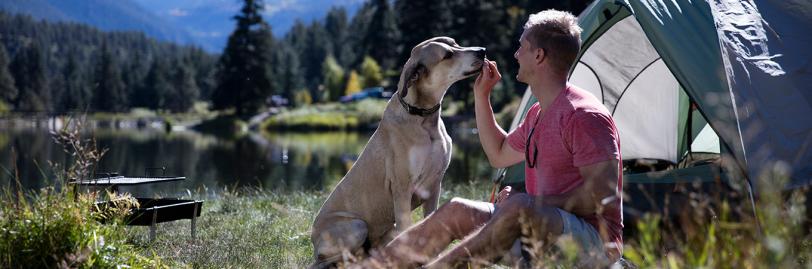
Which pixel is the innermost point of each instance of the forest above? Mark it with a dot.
(58, 68)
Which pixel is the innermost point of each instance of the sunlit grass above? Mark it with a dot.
(251, 228)
(363, 114)
(266, 228)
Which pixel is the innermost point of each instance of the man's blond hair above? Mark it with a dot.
(558, 33)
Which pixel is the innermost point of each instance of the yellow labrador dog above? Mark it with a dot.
(404, 161)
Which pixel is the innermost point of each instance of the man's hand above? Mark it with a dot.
(487, 78)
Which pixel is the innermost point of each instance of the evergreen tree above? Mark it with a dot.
(77, 93)
(185, 91)
(371, 72)
(8, 91)
(109, 93)
(288, 71)
(382, 36)
(420, 20)
(314, 54)
(205, 68)
(244, 76)
(28, 69)
(333, 78)
(337, 27)
(156, 87)
(134, 76)
(358, 32)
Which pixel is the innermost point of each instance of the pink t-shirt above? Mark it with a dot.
(575, 131)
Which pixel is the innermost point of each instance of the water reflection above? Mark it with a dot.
(290, 161)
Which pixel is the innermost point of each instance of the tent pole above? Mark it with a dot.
(753, 205)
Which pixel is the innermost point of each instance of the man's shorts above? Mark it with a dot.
(591, 252)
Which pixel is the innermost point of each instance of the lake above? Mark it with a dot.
(286, 161)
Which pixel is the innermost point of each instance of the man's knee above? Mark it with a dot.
(515, 204)
(462, 207)
(520, 208)
(460, 216)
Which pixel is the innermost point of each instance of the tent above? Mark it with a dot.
(707, 90)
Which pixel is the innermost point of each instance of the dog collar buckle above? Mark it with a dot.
(422, 112)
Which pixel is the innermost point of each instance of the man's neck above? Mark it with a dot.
(547, 90)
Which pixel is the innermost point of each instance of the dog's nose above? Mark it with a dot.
(480, 52)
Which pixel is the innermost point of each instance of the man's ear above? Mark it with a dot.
(541, 54)
(412, 76)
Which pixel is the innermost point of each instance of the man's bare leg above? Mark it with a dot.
(498, 234)
(423, 241)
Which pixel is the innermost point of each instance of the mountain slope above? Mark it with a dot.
(210, 21)
(104, 14)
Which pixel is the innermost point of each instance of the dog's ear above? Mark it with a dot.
(411, 76)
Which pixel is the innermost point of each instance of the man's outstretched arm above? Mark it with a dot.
(491, 136)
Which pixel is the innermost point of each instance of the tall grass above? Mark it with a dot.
(57, 227)
(726, 235)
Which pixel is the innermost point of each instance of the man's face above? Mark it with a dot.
(526, 56)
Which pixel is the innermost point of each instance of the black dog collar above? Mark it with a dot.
(416, 110)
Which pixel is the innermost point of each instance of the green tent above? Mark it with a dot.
(703, 89)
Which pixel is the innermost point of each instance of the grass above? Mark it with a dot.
(265, 228)
(251, 228)
(361, 115)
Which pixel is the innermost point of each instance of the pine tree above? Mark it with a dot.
(28, 69)
(337, 27)
(420, 20)
(156, 87)
(109, 93)
(382, 36)
(185, 91)
(244, 76)
(77, 92)
(314, 54)
(288, 71)
(8, 91)
(134, 75)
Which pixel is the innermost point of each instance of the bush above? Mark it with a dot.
(52, 229)
(59, 228)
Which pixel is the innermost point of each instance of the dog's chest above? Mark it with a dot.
(429, 159)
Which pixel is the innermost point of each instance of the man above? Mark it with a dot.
(571, 150)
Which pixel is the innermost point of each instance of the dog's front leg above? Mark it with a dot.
(403, 208)
(400, 187)
(433, 200)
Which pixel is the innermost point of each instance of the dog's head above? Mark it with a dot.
(434, 65)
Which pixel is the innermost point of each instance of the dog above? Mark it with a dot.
(404, 161)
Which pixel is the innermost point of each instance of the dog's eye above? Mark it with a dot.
(448, 55)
